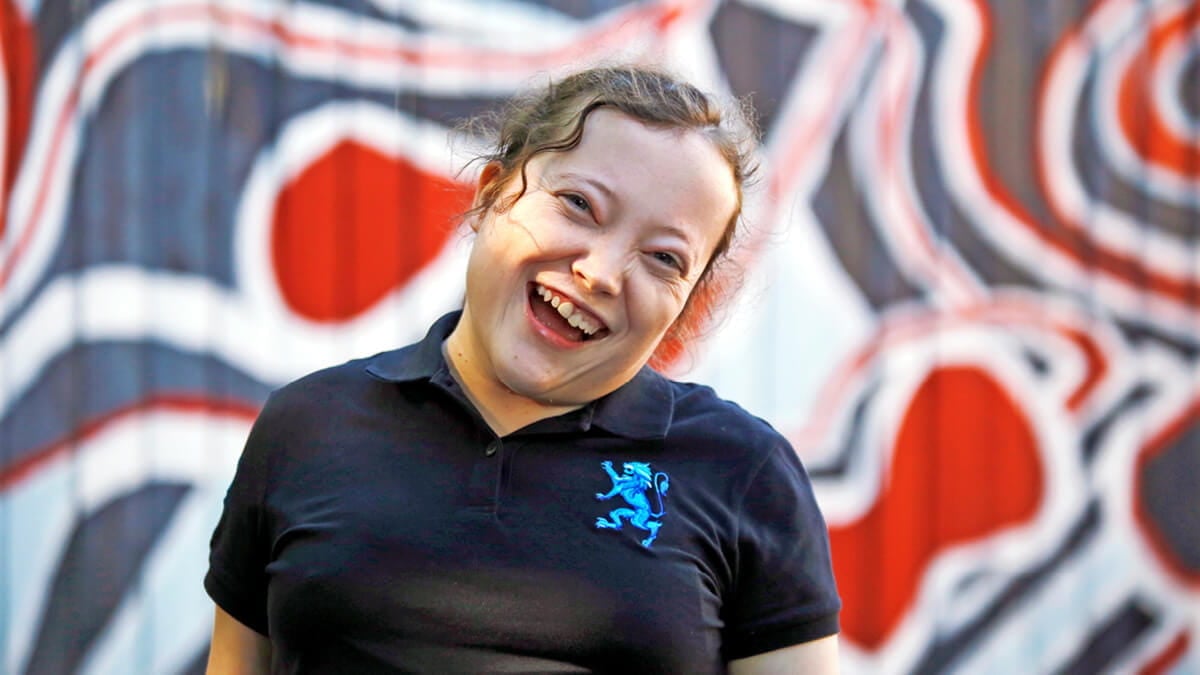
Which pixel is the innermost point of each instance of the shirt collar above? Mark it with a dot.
(418, 361)
(641, 409)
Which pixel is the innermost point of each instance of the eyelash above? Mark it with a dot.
(578, 202)
(668, 259)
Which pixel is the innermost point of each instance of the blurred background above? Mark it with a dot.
(970, 301)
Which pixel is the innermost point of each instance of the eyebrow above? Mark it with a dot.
(597, 185)
(677, 230)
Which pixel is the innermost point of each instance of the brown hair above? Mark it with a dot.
(551, 119)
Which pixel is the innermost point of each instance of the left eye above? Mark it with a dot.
(668, 259)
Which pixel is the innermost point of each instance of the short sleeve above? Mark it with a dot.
(784, 592)
(240, 547)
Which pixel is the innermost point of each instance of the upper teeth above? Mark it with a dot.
(567, 309)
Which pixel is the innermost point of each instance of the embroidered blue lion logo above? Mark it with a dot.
(632, 485)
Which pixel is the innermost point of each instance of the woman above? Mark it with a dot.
(519, 492)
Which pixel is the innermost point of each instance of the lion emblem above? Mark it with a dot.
(632, 484)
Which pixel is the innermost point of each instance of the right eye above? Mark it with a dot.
(578, 202)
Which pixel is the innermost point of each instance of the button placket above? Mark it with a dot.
(484, 473)
(492, 473)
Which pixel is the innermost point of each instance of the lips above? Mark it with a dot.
(564, 317)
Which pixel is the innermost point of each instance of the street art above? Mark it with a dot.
(970, 297)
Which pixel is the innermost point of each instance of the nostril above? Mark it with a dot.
(584, 278)
(594, 278)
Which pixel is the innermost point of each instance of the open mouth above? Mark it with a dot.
(562, 317)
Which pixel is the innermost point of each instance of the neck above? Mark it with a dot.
(504, 410)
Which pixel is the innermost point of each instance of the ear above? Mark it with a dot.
(487, 176)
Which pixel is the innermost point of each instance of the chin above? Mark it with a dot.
(550, 389)
(541, 378)
(545, 394)
(521, 383)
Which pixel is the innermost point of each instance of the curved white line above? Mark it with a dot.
(303, 140)
(896, 206)
(992, 349)
(496, 23)
(1129, 42)
(1168, 83)
(166, 620)
(963, 35)
(194, 448)
(1112, 228)
(1003, 229)
(195, 315)
(329, 43)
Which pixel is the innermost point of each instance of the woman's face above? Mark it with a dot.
(570, 290)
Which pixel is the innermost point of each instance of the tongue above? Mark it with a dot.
(550, 318)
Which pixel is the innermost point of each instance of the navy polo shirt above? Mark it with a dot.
(377, 524)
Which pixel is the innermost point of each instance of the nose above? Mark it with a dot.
(599, 270)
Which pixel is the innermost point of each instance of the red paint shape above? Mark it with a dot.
(1069, 236)
(356, 224)
(1168, 657)
(965, 466)
(1140, 120)
(1096, 367)
(17, 57)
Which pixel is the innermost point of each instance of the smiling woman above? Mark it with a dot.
(452, 506)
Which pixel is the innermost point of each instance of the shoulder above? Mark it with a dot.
(320, 387)
(338, 384)
(308, 416)
(323, 394)
(738, 447)
(700, 415)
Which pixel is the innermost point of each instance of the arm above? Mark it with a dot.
(237, 649)
(786, 606)
(616, 480)
(818, 657)
(240, 550)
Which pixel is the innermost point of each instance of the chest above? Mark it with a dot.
(576, 553)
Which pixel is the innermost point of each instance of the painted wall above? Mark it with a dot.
(971, 293)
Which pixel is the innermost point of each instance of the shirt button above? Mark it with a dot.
(492, 448)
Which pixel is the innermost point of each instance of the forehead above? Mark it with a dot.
(669, 176)
(606, 131)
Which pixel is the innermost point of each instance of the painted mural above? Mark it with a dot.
(970, 299)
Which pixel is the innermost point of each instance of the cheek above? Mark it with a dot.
(681, 299)
(675, 296)
(488, 275)
(530, 221)
(659, 306)
(499, 247)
